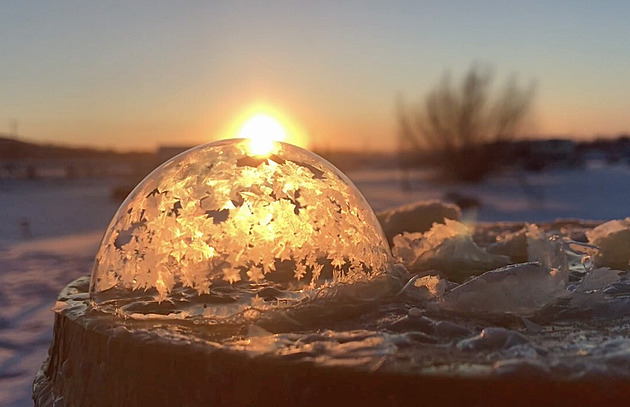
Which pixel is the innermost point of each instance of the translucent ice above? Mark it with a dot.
(516, 289)
(447, 247)
(219, 229)
(548, 250)
(598, 279)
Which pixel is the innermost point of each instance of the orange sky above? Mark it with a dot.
(141, 74)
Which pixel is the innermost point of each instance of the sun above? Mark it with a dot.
(263, 130)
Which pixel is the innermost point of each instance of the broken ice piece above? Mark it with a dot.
(548, 250)
(591, 289)
(613, 240)
(447, 247)
(513, 245)
(424, 288)
(417, 217)
(520, 289)
(598, 278)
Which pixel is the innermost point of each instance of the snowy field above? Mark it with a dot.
(49, 233)
(595, 193)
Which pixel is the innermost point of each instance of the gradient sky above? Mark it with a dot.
(137, 74)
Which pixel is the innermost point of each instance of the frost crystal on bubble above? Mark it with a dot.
(217, 216)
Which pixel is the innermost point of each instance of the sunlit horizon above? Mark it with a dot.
(142, 75)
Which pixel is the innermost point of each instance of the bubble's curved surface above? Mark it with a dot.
(219, 229)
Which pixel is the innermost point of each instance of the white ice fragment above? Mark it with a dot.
(417, 217)
(520, 289)
(613, 240)
(424, 288)
(434, 284)
(447, 247)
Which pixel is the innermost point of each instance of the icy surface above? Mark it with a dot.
(219, 229)
(400, 334)
(593, 338)
(553, 317)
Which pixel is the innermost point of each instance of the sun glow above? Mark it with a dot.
(264, 124)
(263, 130)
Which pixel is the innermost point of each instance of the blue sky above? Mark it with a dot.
(136, 74)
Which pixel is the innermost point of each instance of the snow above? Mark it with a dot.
(54, 207)
(599, 193)
(67, 220)
(31, 275)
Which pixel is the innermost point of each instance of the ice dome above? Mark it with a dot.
(224, 227)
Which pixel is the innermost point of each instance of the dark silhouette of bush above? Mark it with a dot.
(462, 126)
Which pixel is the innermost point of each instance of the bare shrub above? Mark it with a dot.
(463, 126)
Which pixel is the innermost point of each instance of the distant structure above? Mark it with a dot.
(13, 127)
(26, 160)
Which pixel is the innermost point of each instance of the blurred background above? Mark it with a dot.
(513, 111)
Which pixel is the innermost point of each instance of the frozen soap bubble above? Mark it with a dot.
(226, 227)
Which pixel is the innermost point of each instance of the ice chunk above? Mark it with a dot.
(424, 288)
(520, 289)
(548, 250)
(591, 291)
(555, 251)
(599, 278)
(447, 247)
(513, 245)
(417, 217)
(613, 240)
(434, 284)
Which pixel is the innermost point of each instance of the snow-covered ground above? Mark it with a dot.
(596, 193)
(65, 222)
(49, 233)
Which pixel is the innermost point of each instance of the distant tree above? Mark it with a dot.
(459, 125)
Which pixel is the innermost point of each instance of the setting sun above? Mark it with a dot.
(264, 124)
(262, 130)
